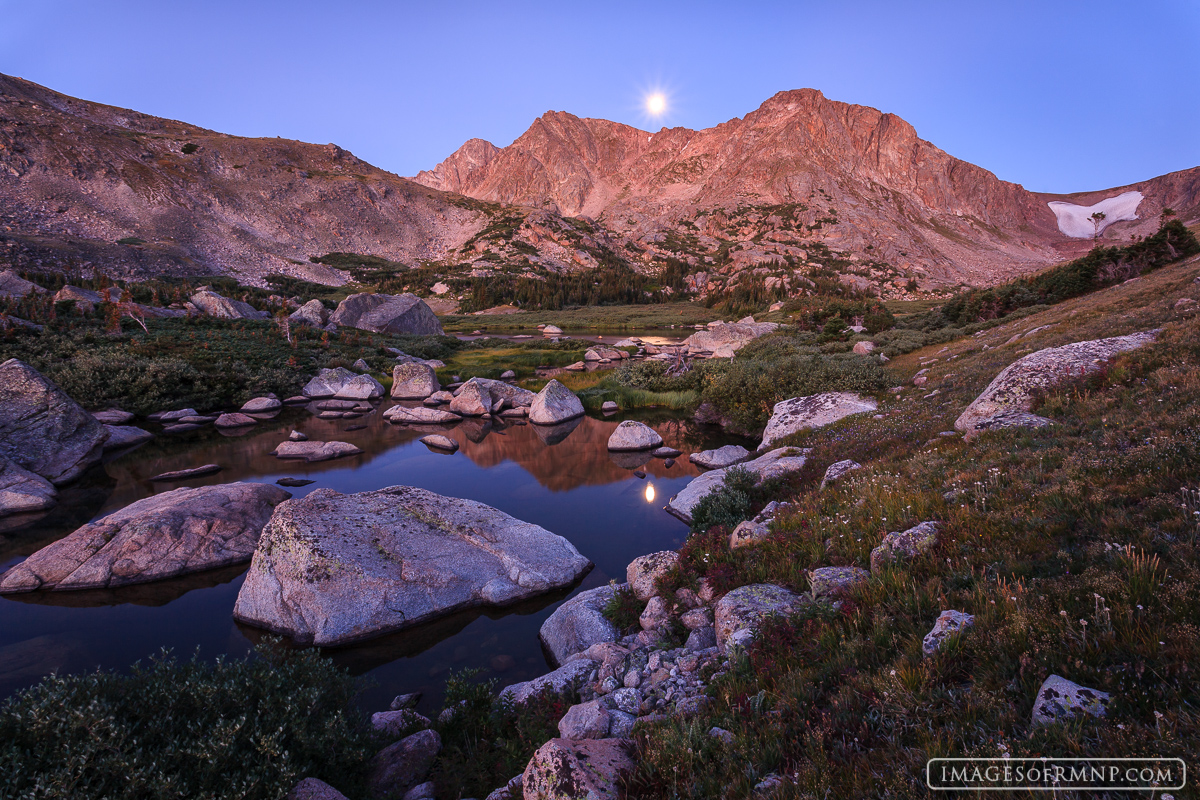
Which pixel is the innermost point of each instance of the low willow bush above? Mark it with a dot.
(234, 728)
(486, 740)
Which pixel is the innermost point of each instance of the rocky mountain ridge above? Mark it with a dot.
(802, 178)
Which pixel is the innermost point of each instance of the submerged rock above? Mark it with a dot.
(162, 536)
(113, 416)
(439, 442)
(315, 451)
(420, 415)
(774, 464)
(123, 436)
(261, 405)
(1008, 399)
(813, 411)
(184, 474)
(235, 420)
(335, 568)
(42, 429)
(554, 404)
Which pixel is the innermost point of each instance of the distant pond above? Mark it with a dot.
(568, 484)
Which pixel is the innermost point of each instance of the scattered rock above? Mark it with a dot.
(644, 571)
(162, 536)
(14, 286)
(471, 400)
(721, 735)
(438, 442)
(566, 678)
(552, 330)
(293, 482)
(421, 415)
(121, 437)
(360, 387)
(864, 348)
(422, 791)
(261, 405)
(813, 411)
(404, 764)
(312, 313)
(1009, 398)
(730, 335)
(235, 420)
(42, 429)
(297, 436)
(22, 491)
(749, 532)
(899, 545)
(496, 390)
(361, 365)
(1059, 699)
(385, 313)
(720, 458)
(831, 581)
(214, 305)
(774, 464)
(328, 382)
(396, 722)
(578, 366)
(949, 623)
(697, 618)
(609, 407)
(567, 770)
(414, 382)
(313, 789)
(555, 403)
(509, 791)
(701, 639)
(837, 470)
(667, 452)
(315, 451)
(507, 375)
(113, 416)
(739, 613)
(184, 474)
(655, 615)
(335, 568)
(588, 720)
(578, 624)
(403, 701)
(632, 436)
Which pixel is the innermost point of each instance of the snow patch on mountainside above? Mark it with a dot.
(1075, 221)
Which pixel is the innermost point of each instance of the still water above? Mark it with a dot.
(564, 480)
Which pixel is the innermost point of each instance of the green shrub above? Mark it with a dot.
(234, 728)
(652, 376)
(729, 504)
(624, 610)
(189, 148)
(485, 740)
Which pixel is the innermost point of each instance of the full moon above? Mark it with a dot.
(656, 104)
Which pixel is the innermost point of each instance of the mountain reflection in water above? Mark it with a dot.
(562, 478)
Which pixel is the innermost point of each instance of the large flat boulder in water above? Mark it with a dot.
(162, 536)
(44, 430)
(386, 313)
(334, 568)
(813, 411)
(774, 464)
(1008, 399)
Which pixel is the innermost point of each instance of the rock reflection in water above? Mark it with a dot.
(561, 478)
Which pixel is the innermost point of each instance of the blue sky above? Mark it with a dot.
(1058, 96)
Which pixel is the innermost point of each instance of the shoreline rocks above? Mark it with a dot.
(333, 568)
(720, 458)
(414, 381)
(632, 436)
(42, 429)
(578, 624)
(774, 464)
(162, 536)
(22, 491)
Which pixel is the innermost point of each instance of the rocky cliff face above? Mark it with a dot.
(799, 175)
